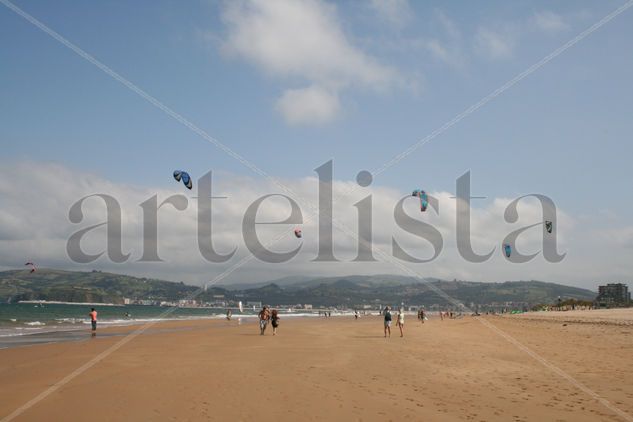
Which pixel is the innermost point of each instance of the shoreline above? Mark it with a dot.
(615, 317)
(85, 334)
(68, 333)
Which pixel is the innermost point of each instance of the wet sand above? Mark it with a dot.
(334, 369)
(50, 337)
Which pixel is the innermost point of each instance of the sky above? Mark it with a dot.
(286, 86)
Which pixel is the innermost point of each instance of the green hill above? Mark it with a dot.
(72, 286)
(352, 291)
(95, 286)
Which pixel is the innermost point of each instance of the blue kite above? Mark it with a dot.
(507, 249)
(424, 199)
(184, 176)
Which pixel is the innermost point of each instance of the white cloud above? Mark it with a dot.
(36, 226)
(448, 26)
(312, 105)
(302, 39)
(622, 237)
(448, 47)
(396, 12)
(549, 22)
(494, 44)
(499, 41)
(438, 50)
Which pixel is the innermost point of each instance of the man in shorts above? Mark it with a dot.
(93, 320)
(264, 317)
(387, 315)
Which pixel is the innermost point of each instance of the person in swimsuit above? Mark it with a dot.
(387, 315)
(400, 321)
(264, 317)
(274, 321)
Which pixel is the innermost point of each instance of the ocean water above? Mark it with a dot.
(30, 318)
(22, 319)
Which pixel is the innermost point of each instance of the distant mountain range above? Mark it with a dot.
(300, 282)
(73, 286)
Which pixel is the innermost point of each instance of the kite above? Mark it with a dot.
(298, 233)
(507, 249)
(32, 266)
(424, 199)
(184, 176)
(548, 226)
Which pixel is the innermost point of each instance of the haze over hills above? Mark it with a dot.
(73, 286)
(299, 282)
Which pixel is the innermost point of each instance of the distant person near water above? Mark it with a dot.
(422, 316)
(264, 317)
(387, 315)
(274, 320)
(93, 320)
(400, 321)
(229, 314)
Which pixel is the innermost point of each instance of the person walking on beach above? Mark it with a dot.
(93, 321)
(422, 316)
(264, 316)
(387, 315)
(400, 321)
(274, 321)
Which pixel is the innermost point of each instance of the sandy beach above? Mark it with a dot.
(334, 369)
(623, 316)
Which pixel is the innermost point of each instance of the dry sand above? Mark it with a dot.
(623, 316)
(335, 369)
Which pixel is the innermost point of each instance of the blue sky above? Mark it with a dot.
(381, 76)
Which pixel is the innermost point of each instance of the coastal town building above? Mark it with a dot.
(613, 295)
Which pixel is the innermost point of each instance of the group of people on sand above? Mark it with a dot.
(266, 316)
(399, 321)
(422, 315)
(446, 314)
